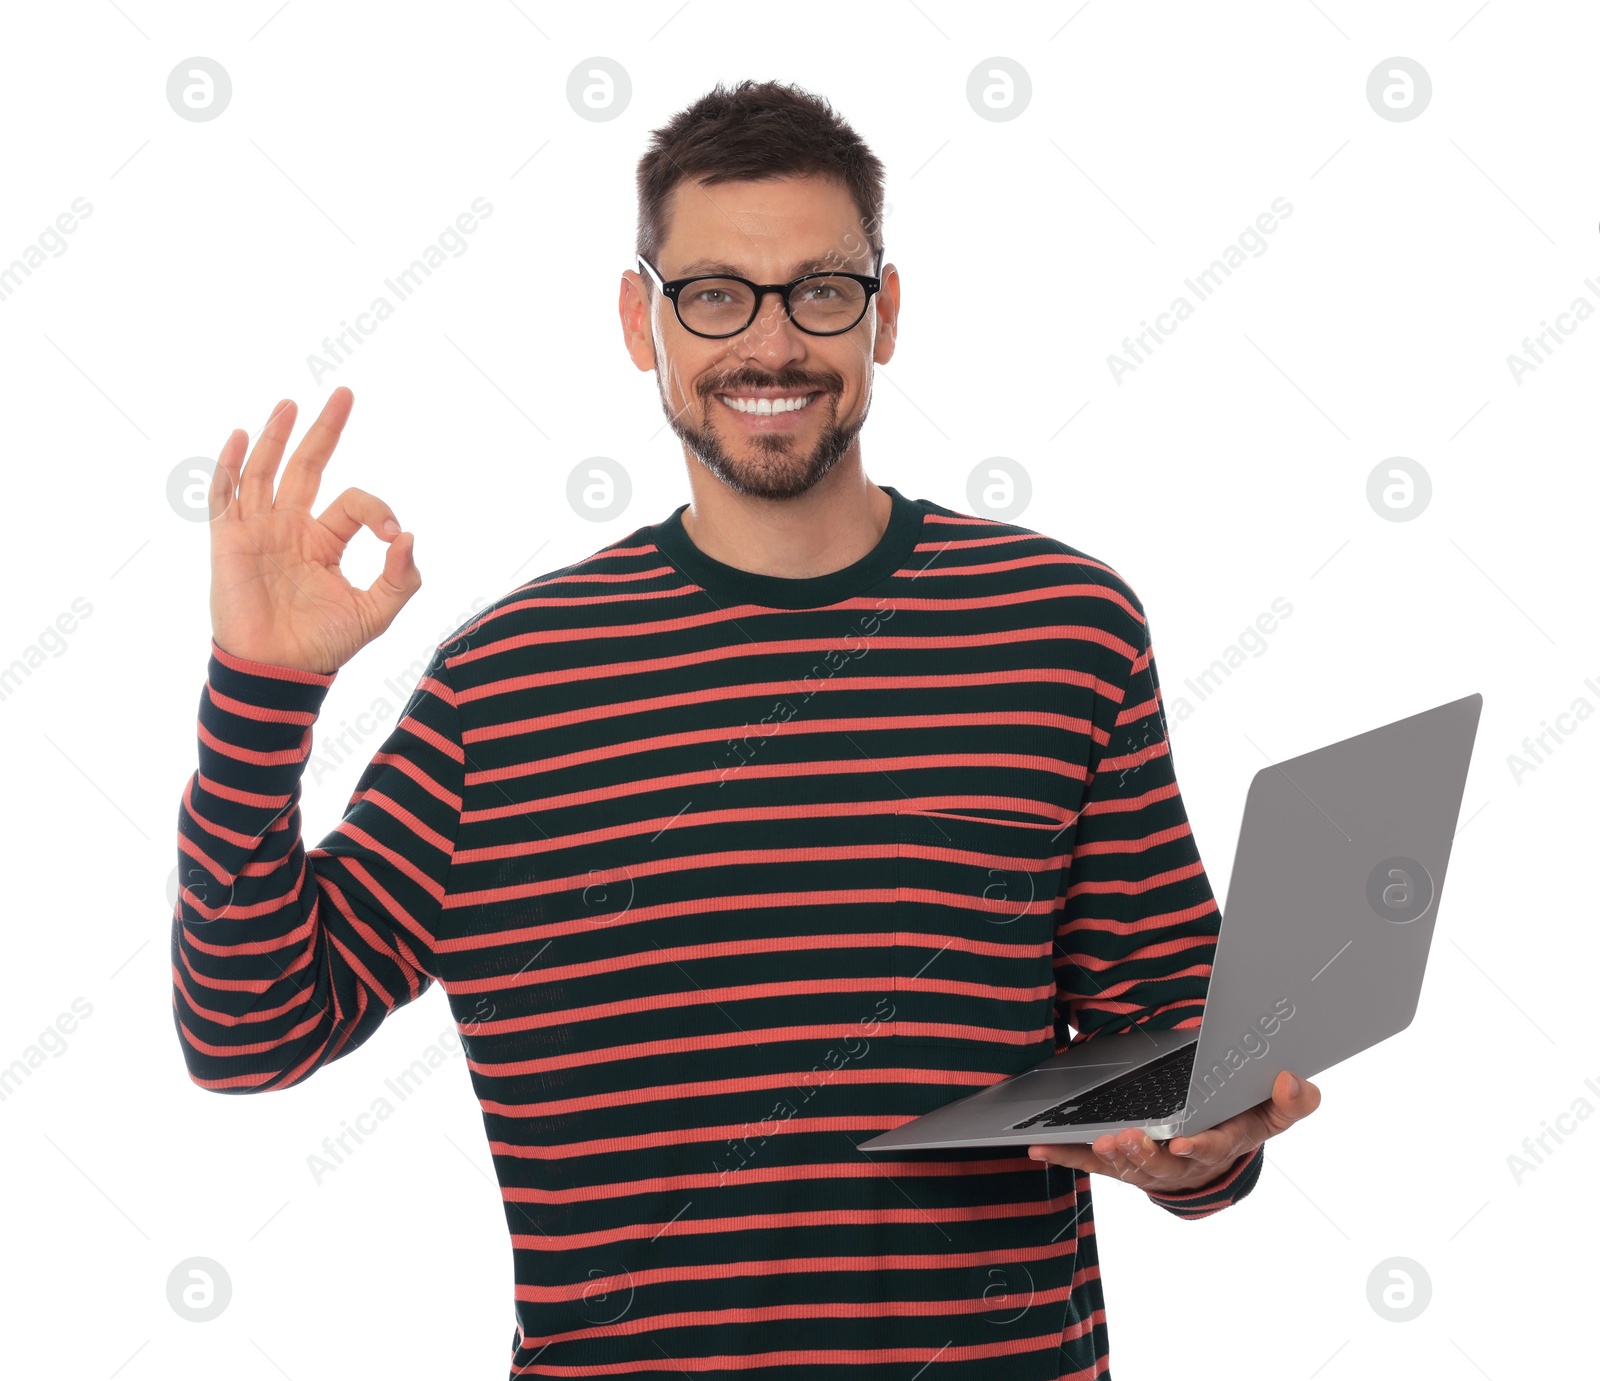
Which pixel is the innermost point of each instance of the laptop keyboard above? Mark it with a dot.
(1153, 1090)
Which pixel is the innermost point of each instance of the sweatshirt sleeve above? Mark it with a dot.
(1138, 921)
(284, 959)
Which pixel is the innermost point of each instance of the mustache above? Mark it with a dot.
(809, 383)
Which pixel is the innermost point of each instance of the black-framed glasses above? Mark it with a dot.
(820, 304)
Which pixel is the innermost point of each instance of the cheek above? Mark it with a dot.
(680, 382)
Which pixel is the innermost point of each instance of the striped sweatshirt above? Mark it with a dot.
(722, 874)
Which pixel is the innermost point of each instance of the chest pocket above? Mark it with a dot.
(975, 913)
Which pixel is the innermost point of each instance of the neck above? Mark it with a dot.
(832, 525)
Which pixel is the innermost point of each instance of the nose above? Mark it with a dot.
(772, 339)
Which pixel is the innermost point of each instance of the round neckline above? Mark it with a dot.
(717, 578)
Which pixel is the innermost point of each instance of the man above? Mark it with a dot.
(764, 828)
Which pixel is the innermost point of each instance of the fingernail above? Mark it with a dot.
(1035, 1154)
(1294, 1087)
(391, 527)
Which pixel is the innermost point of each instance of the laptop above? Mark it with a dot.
(1336, 883)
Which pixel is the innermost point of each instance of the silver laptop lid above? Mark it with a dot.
(1330, 909)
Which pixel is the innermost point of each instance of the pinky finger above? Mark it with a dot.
(225, 479)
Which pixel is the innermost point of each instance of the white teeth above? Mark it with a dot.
(765, 405)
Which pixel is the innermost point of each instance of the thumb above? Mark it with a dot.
(398, 581)
(1292, 1098)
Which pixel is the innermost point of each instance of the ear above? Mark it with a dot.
(633, 308)
(886, 303)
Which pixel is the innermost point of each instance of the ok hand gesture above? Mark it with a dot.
(277, 594)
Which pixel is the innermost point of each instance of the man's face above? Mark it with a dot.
(769, 231)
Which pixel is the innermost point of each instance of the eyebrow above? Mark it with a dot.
(820, 264)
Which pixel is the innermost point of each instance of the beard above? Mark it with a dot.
(772, 465)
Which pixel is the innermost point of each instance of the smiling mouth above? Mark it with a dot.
(766, 405)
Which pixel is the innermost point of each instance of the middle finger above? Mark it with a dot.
(303, 473)
(255, 483)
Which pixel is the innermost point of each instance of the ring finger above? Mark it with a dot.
(255, 484)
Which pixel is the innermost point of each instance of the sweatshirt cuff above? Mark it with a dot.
(255, 732)
(246, 667)
(270, 697)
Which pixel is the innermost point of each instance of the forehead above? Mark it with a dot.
(769, 229)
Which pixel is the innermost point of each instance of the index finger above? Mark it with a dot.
(1221, 1143)
(303, 473)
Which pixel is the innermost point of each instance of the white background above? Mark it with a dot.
(1226, 471)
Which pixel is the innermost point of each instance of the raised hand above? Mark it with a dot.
(277, 594)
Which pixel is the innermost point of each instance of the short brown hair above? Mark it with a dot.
(756, 130)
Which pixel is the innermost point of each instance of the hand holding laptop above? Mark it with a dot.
(1320, 955)
(1187, 1162)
